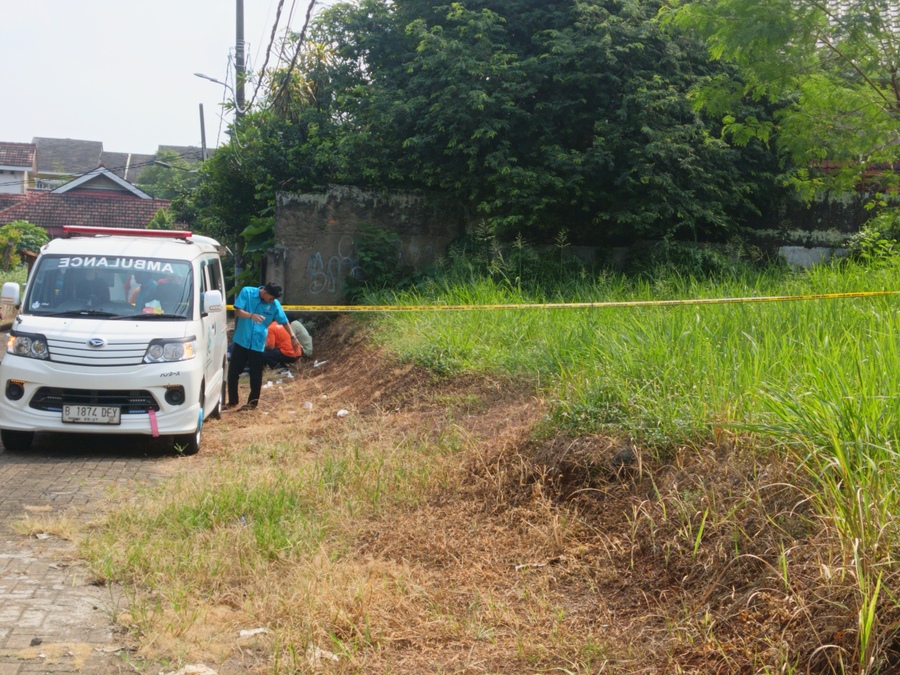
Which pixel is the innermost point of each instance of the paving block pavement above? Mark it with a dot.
(53, 617)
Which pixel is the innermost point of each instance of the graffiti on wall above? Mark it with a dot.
(327, 272)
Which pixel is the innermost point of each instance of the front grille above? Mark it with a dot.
(122, 352)
(131, 401)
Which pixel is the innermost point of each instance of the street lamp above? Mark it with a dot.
(238, 110)
(212, 79)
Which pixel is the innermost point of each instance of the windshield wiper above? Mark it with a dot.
(77, 312)
(148, 317)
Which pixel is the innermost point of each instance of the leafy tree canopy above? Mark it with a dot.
(171, 176)
(541, 116)
(538, 117)
(830, 65)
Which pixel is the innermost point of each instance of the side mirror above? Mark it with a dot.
(10, 293)
(9, 301)
(211, 302)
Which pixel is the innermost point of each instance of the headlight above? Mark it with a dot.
(29, 346)
(166, 351)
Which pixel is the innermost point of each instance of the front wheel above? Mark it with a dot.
(188, 444)
(216, 413)
(16, 441)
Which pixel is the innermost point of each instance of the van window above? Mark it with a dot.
(110, 286)
(214, 270)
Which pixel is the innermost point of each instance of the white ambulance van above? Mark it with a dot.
(120, 331)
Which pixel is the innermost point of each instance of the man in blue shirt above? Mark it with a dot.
(255, 307)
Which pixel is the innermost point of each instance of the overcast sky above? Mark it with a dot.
(122, 71)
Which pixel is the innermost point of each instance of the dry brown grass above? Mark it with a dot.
(453, 541)
(40, 521)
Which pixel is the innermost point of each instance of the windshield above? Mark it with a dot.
(111, 286)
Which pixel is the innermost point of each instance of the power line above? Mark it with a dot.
(287, 28)
(300, 41)
(268, 52)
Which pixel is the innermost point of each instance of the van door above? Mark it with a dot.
(214, 326)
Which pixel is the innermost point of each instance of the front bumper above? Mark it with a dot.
(46, 386)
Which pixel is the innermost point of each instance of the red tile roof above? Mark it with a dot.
(96, 208)
(17, 154)
(8, 199)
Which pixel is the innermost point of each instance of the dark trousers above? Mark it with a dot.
(241, 357)
(276, 357)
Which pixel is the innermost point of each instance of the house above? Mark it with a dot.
(17, 166)
(53, 182)
(98, 198)
(59, 160)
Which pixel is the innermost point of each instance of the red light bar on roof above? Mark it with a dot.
(125, 231)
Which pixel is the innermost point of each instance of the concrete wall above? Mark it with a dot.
(316, 237)
(804, 234)
(809, 256)
(809, 234)
(13, 181)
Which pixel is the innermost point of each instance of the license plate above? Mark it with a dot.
(91, 414)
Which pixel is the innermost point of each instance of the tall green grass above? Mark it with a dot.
(672, 374)
(815, 377)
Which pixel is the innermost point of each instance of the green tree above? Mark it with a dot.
(18, 238)
(537, 117)
(283, 144)
(831, 66)
(162, 220)
(33, 237)
(541, 116)
(170, 177)
(223, 203)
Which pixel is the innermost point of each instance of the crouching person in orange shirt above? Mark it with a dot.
(279, 351)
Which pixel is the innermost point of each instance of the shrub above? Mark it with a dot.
(877, 241)
(17, 238)
(378, 262)
(698, 261)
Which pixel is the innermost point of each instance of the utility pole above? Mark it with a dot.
(239, 76)
(202, 135)
(239, 66)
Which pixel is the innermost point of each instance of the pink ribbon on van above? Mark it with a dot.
(153, 427)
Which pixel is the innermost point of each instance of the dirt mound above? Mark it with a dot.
(532, 551)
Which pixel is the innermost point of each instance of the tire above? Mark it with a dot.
(16, 441)
(216, 413)
(188, 444)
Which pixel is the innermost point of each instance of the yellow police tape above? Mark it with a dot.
(578, 305)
